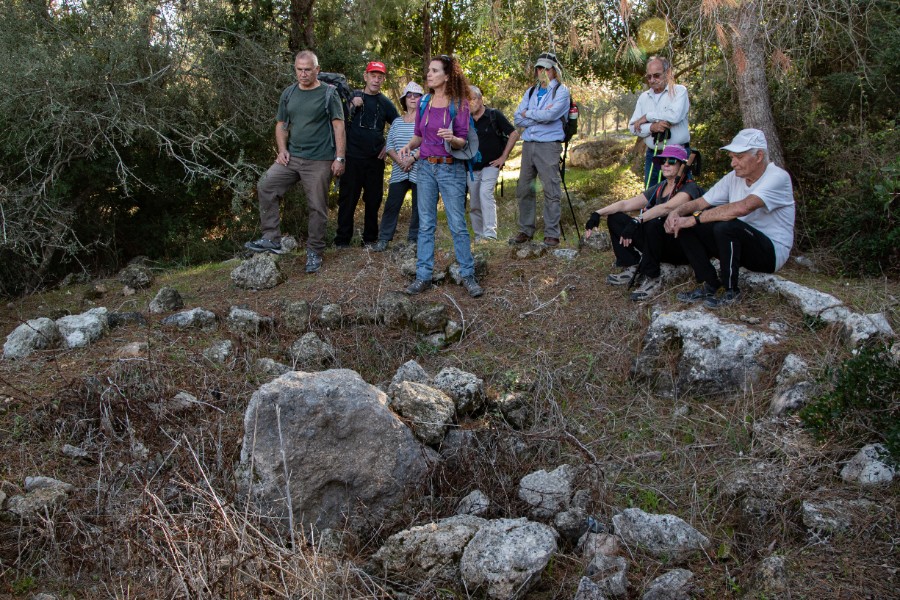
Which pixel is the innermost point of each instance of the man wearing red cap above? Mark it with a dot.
(370, 112)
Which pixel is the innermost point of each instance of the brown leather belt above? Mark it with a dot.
(440, 160)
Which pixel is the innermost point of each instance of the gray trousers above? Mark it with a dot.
(315, 175)
(539, 159)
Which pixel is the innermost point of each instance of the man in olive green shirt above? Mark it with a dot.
(309, 134)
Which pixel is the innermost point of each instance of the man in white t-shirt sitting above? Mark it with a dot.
(745, 220)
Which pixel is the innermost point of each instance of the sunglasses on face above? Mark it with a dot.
(652, 76)
(670, 161)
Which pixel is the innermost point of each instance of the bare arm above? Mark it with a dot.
(281, 143)
(340, 147)
(722, 212)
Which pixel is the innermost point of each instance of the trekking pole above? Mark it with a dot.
(562, 174)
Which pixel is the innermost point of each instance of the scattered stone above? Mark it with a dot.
(750, 320)
(219, 352)
(770, 577)
(42, 495)
(548, 493)
(394, 309)
(136, 276)
(197, 318)
(331, 316)
(506, 557)
(675, 274)
(270, 367)
(74, 278)
(591, 544)
(41, 482)
(779, 327)
(438, 341)
(167, 299)
(599, 242)
(182, 401)
(296, 315)
(115, 320)
(565, 253)
(675, 585)
(74, 452)
(870, 466)
(248, 322)
(682, 410)
(132, 350)
(78, 331)
(429, 553)
(480, 270)
(581, 499)
(428, 410)
(661, 535)
(44, 596)
(288, 243)
(587, 589)
(571, 524)
(516, 409)
(453, 332)
(466, 389)
(714, 357)
(792, 398)
(476, 503)
(793, 369)
(759, 487)
(311, 352)
(431, 319)
(408, 371)
(258, 273)
(128, 291)
(833, 516)
(528, 250)
(610, 573)
(34, 334)
(352, 461)
(336, 542)
(408, 267)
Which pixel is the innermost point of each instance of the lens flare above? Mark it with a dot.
(652, 35)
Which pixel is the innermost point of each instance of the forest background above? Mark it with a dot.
(140, 128)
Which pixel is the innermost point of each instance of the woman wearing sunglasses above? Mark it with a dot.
(640, 242)
(441, 174)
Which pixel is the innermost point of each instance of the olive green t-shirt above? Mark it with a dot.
(310, 134)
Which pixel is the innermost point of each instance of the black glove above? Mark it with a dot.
(631, 229)
(593, 222)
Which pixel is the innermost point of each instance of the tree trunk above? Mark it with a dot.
(749, 60)
(302, 22)
(426, 33)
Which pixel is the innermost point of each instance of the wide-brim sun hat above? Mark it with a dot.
(673, 151)
(411, 88)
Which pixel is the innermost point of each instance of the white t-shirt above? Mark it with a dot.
(776, 218)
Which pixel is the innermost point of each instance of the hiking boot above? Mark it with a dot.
(417, 287)
(264, 245)
(623, 278)
(551, 242)
(380, 246)
(650, 288)
(727, 298)
(313, 261)
(521, 238)
(704, 292)
(472, 286)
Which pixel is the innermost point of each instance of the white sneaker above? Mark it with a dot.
(650, 288)
(623, 278)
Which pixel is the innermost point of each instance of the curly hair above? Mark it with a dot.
(457, 84)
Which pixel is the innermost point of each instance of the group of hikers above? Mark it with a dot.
(745, 220)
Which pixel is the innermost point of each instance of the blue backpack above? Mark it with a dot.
(468, 153)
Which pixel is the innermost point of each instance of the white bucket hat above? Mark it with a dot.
(411, 87)
(745, 140)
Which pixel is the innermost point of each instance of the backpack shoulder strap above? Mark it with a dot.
(287, 98)
(423, 104)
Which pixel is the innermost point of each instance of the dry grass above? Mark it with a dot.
(172, 525)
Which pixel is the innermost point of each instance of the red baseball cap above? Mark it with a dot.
(376, 67)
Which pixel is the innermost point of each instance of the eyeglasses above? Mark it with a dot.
(670, 161)
(652, 76)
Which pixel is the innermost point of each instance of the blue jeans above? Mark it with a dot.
(450, 182)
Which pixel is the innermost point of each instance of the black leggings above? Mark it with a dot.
(650, 246)
(734, 243)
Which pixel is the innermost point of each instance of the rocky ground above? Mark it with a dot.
(593, 447)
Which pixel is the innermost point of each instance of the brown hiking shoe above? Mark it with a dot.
(552, 242)
(521, 238)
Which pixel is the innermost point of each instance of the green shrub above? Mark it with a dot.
(864, 400)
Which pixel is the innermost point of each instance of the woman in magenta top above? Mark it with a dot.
(440, 173)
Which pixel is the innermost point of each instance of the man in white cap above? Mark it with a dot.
(745, 220)
(371, 112)
(542, 113)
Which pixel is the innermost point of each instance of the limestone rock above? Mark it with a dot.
(770, 577)
(42, 495)
(437, 341)
(296, 315)
(431, 318)
(548, 493)
(610, 573)
(394, 309)
(259, 273)
(507, 556)
(219, 352)
(528, 250)
(453, 332)
(675, 585)
(759, 487)
(196, 318)
(408, 371)
(571, 524)
(271, 367)
(466, 389)
(713, 356)
(136, 276)
(331, 316)
(476, 503)
(74, 452)
(565, 253)
(428, 410)
(661, 535)
(78, 331)
(870, 466)
(122, 319)
(351, 460)
(311, 352)
(167, 299)
(132, 350)
(248, 322)
(591, 544)
(598, 242)
(588, 590)
(792, 398)
(832, 516)
(429, 552)
(793, 369)
(480, 269)
(34, 334)
(516, 408)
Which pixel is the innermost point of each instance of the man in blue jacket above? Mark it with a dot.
(542, 113)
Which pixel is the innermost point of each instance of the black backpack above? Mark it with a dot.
(495, 127)
(335, 83)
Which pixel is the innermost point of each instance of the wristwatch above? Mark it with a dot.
(340, 159)
(697, 216)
